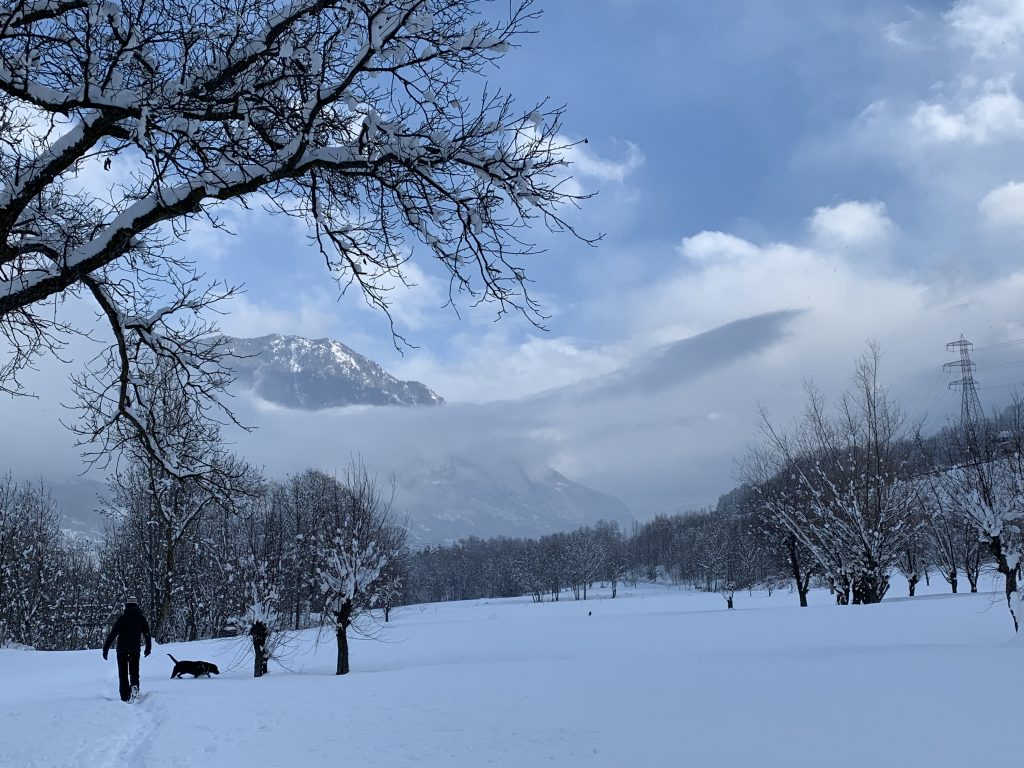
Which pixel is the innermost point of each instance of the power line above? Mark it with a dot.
(1010, 364)
(1003, 386)
(999, 344)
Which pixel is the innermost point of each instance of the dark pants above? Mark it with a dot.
(127, 672)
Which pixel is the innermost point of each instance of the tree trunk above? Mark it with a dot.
(343, 618)
(868, 589)
(342, 668)
(728, 602)
(842, 593)
(799, 577)
(164, 611)
(995, 545)
(912, 584)
(387, 613)
(972, 570)
(258, 633)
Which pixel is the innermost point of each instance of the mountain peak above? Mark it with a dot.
(459, 496)
(312, 374)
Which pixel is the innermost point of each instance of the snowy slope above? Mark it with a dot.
(660, 677)
(486, 496)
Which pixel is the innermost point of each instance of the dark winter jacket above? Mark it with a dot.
(129, 629)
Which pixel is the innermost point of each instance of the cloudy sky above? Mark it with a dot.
(775, 188)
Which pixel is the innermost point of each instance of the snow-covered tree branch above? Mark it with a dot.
(356, 544)
(368, 119)
(848, 498)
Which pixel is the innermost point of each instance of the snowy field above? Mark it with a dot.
(657, 677)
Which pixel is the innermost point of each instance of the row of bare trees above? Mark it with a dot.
(864, 494)
(508, 567)
(316, 550)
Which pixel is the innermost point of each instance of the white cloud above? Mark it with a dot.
(587, 163)
(851, 223)
(990, 28)
(1002, 209)
(661, 445)
(497, 367)
(314, 315)
(982, 114)
(757, 279)
(677, 439)
(713, 247)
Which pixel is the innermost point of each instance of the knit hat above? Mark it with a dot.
(131, 600)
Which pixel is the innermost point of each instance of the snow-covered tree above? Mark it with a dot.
(912, 560)
(256, 551)
(124, 124)
(356, 542)
(159, 516)
(30, 564)
(616, 558)
(303, 500)
(984, 486)
(773, 501)
(585, 560)
(392, 584)
(846, 493)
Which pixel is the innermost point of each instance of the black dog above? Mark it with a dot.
(194, 668)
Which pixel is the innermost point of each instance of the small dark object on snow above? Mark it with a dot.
(590, 613)
(194, 668)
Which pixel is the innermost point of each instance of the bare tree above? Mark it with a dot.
(30, 567)
(945, 530)
(984, 485)
(159, 514)
(584, 560)
(356, 116)
(356, 543)
(766, 476)
(912, 560)
(849, 500)
(616, 559)
(256, 550)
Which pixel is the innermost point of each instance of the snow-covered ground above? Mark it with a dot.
(657, 677)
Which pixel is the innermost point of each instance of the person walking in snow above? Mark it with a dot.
(128, 630)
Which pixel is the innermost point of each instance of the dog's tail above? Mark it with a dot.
(173, 659)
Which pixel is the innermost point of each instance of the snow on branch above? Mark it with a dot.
(357, 117)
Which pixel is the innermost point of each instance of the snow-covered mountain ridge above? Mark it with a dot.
(311, 374)
(485, 497)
